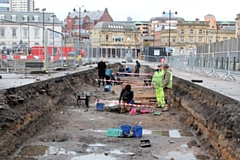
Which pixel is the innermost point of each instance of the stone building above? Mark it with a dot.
(189, 34)
(115, 38)
(238, 26)
(28, 28)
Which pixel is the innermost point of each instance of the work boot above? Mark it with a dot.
(166, 108)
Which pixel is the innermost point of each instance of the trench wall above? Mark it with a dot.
(214, 117)
(27, 108)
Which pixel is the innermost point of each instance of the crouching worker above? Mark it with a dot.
(126, 96)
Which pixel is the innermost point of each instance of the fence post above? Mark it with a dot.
(213, 73)
(228, 74)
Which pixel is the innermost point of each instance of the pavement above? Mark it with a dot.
(227, 87)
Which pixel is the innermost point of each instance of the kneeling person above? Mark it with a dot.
(126, 96)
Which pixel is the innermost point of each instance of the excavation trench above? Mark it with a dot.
(207, 115)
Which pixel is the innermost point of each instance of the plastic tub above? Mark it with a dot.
(137, 131)
(126, 128)
(113, 132)
(107, 88)
(100, 106)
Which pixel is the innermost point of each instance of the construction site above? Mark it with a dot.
(42, 118)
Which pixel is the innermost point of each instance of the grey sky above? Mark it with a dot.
(145, 9)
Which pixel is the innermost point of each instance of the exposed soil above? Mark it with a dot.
(74, 133)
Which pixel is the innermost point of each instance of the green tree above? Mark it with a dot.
(146, 44)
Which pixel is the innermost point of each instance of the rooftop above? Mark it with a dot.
(115, 25)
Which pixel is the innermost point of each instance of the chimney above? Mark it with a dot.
(197, 20)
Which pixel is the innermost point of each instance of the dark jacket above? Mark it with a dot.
(126, 95)
(101, 68)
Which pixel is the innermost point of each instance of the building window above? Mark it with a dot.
(173, 39)
(200, 31)
(225, 38)
(14, 32)
(182, 31)
(191, 31)
(1, 16)
(25, 18)
(117, 38)
(14, 17)
(200, 39)
(2, 32)
(128, 39)
(25, 32)
(35, 18)
(191, 39)
(36, 32)
(182, 39)
(106, 38)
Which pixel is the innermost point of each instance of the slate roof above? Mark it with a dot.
(20, 15)
(163, 19)
(114, 25)
(229, 28)
(93, 15)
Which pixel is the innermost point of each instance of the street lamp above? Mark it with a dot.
(79, 23)
(169, 31)
(53, 16)
(218, 27)
(28, 30)
(43, 10)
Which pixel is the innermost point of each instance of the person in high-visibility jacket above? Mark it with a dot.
(167, 86)
(157, 81)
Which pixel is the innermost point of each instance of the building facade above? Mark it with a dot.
(28, 27)
(88, 20)
(5, 5)
(22, 5)
(237, 34)
(115, 37)
(189, 34)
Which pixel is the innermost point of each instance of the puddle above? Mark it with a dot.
(174, 134)
(161, 133)
(146, 131)
(97, 145)
(58, 151)
(93, 119)
(180, 156)
(93, 157)
(184, 145)
(44, 151)
(98, 130)
(119, 152)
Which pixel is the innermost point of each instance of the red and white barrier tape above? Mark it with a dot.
(126, 104)
(108, 80)
(140, 74)
(142, 87)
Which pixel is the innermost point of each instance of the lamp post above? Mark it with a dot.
(28, 30)
(53, 16)
(169, 31)
(43, 10)
(218, 27)
(79, 23)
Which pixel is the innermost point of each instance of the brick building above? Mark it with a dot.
(88, 20)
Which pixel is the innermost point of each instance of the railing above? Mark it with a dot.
(209, 64)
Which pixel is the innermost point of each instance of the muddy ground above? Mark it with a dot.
(76, 134)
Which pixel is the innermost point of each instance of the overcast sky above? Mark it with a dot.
(145, 9)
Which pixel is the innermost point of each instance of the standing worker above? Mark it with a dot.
(101, 71)
(137, 68)
(157, 81)
(167, 86)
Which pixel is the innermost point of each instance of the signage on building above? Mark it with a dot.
(156, 52)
